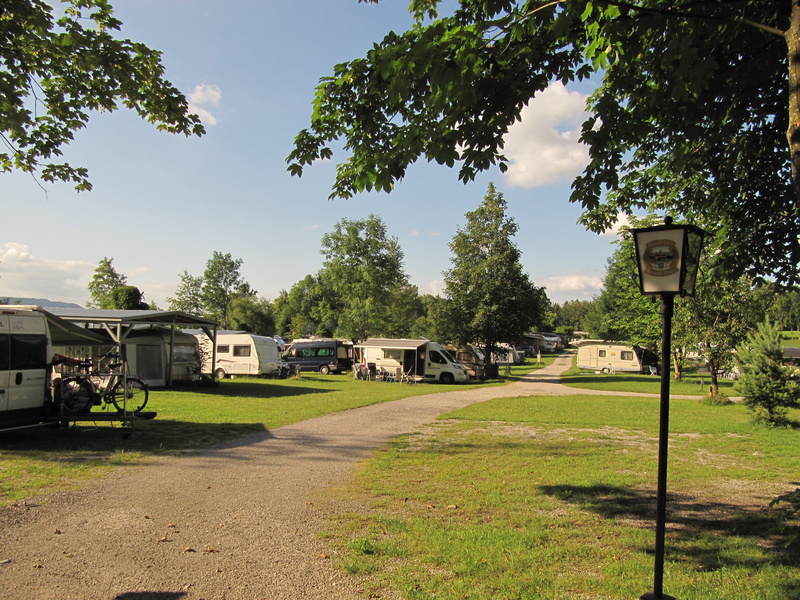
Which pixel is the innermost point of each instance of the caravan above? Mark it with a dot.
(414, 359)
(241, 353)
(610, 357)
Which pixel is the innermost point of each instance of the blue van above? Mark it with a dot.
(324, 356)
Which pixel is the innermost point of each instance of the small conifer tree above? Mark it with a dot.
(769, 387)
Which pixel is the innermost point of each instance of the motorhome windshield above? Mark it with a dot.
(449, 356)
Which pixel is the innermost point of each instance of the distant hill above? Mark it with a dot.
(43, 302)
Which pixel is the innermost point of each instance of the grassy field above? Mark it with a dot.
(545, 498)
(37, 461)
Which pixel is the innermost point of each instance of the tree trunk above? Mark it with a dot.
(792, 37)
(677, 364)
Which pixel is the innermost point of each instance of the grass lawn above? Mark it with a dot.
(692, 384)
(546, 498)
(36, 461)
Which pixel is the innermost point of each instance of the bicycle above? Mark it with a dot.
(79, 393)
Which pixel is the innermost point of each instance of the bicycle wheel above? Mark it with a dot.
(77, 395)
(130, 399)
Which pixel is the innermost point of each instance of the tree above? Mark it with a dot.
(671, 126)
(251, 314)
(491, 299)
(719, 317)
(58, 65)
(363, 266)
(104, 282)
(768, 386)
(189, 295)
(128, 297)
(222, 282)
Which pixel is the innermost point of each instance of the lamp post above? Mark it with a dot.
(668, 257)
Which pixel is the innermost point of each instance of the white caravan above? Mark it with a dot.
(417, 359)
(241, 353)
(610, 357)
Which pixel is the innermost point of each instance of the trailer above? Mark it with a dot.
(612, 357)
(239, 353)
(416, 360)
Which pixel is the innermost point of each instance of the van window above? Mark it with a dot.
(4, 356)
(306, 352)
(241, 350)
(224, 349)
(325, 351)
(602, 354)
(28, 352)
(341, 352)
(626, 355)
(437, 358)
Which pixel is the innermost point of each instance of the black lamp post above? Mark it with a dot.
(668, 257)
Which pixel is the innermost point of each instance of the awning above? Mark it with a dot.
(64, 333)
(390, 344)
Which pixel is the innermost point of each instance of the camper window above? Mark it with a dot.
(391, 354)
(602, 354)
(28, 352)
(437, 358)
(224, 349)
(626, 355)
(241, 350)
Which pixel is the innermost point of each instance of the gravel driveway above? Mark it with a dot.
(235, 522)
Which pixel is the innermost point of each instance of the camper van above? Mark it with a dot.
(418, 359)
(610, 357)
(27, 336)
(241, 353)
(323, 355)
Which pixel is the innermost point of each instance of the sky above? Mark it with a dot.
(163, 203)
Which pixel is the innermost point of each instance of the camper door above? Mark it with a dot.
(23, 365)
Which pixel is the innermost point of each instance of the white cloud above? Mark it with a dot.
(571, 287)
(623, 220)
(25, 275)
(203, 96)
(543, 148)
(435, 288)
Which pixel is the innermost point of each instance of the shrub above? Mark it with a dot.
(769, 387)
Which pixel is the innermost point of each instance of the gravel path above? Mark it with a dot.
(234, 523)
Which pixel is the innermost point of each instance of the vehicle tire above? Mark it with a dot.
(77, 395)
(447, 378)
(130, 399)
(324, 369)
(219, 374)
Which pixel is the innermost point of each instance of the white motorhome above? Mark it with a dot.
(241, 353)
(610, 357)
(27, 336)
(419, 360)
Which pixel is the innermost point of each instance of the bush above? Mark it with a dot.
(769, 387)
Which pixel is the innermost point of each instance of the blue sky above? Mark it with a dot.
(162, 204)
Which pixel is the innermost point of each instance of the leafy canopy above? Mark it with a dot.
(57, 66)
(697, 112)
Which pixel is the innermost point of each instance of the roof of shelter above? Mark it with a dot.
(131, 317)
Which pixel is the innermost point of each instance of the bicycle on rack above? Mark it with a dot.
(79, 393)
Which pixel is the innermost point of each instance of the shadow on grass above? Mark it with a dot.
(696, 530)
(79, 444)
(252, 389)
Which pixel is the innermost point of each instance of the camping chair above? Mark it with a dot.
(407, 377)
(372, 372)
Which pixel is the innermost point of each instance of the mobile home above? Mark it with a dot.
(610, 357)
(419, 359)
(469, 356)
(240, 353)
